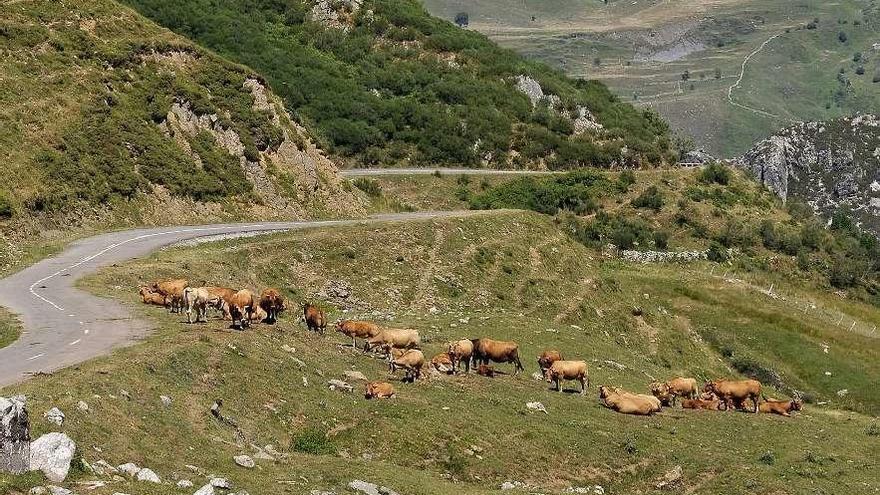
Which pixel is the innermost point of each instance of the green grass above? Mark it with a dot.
(511, 275)
(10, 328)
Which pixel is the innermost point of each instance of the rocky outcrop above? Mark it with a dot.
(828, 165)
(337, 14)
(51, 454)
(581, 118)
(15, 435)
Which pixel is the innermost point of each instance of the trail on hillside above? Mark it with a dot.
(742, 73)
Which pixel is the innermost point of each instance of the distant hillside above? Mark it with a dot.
(105, 118)
(382, 83)
(833, 166)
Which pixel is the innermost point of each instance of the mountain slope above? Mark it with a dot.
(383, 83)
(833, 166)
(105, 118)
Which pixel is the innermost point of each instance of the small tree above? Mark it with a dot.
(461, 19)
(842, 37)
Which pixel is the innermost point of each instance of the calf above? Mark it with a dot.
(315, 319)
(628, 402)
(781, 407)
(547, 358)
(173, 291)
(442, 363)
(568, 370)
(272, 303)
(734, 392)
(709, 405)
(379, 390)
(357, 329)
(154, 298)
(499, 351)
(397, 338)
(242, 306)
(411, 360)
(459, 352)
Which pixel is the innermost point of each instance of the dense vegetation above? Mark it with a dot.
(713, 209)
(392, 84)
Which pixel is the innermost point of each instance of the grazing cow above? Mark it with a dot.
(151, 297)
(442, 363)
(272, 303)
(459, 352)
(781, 407)
(242, 306)
(628, 402)
(225, 294)
(661, 391)
(499, 351)
(379, 390)
(357, 329)
(568, 370)
(198, 299)
(709, 405)
(398, 338)
(547, 358)
(173, 291)
(315, 319)
(735, 392)
(411, 360)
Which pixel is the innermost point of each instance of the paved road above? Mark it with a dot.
(64, 325)
(372, 172)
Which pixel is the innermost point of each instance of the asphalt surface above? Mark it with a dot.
(64, 325)
(373, 172)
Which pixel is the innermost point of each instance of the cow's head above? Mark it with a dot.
(709, 387)
(795, 405)
(603, 392)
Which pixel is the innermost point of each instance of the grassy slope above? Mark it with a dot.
(10, 328)
(516, 276)
(795, 77)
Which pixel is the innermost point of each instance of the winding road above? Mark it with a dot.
(64, 325)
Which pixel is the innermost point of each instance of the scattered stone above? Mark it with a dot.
(671, 480)
(57, 490)
(129, 469)
(184, 484)
(591, 490)
(842, 392)
(321, 492)
(120, 493)
(15, 435)
(356, 375)
(538, 377)
(298, 362)
(166, 401)
(287, 348)
(38, 490)
(148, 475)
(244, 461)
(125, 394)
(340, 385)
(370, 488)
(103, 468)
(305, 381)
(54, 416)
(221, 483)
(82, 406)
(536, 406)
(512, 485)
(205, 490)
(51, 454)
(663, 256)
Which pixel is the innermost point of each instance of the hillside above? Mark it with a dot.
(803, 61)
(510, 275)
(382, 83)
(833, 166)
(108, 120)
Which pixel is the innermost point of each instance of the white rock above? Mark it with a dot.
(38, 490)
(370, 488)
(120, 493)
(184, 484)
(54, 416)
(51, 454)
(148, 475)
(205, 490)
(82, 406)
(129, 469)
(356, 375)
(221, 483)
(244, 461)
(103, 468)
(536, 406)
(166, 401)
(57, 490)
(339, 385)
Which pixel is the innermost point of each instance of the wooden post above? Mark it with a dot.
(15, 436)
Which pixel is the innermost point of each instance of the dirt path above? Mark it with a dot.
(742, 73)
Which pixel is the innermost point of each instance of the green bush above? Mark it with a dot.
(661, 240)
(716, 253)
(715, 173)
(650, 198)
(313, 441)
(369, 186)
(6, 208)
(573, 191)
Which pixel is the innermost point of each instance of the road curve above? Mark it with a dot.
(373, 172)
(64, 325)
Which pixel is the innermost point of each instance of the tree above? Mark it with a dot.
(461, 19)
(842, 37)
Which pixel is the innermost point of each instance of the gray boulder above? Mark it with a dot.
(54, 416)
(370, 488)
(51, 454)
(15, 436)
(129, 469)
(205, 490)
(244, 461)
(148, 475)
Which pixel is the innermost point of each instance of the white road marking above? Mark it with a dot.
(77, 341)
(37, 356)
(86, 331)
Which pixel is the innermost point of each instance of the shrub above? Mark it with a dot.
(626, 179)
(716, 253)
(313, 441)
(650, 198)
(767, 458)
(715, 173)
(661, 240)
(842, 37)
(572, 191)
(369, 186)
(873, 430)
(6, 209)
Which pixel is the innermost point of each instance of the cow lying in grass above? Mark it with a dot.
(707, 404)
(781, 407)
(627, 402)
(568, 370)
(379, 390)
(173, 291)
(150, 297)
(442, 363)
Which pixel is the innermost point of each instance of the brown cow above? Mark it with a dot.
(628, 402)
(357, 329)
(461, 351)
(242, 306)
(379, 390)
(225, 294)
(151, 297)
(443, 363)
(486, 370)
(709, 405)
(781, 407)
(315, 319)
(499, 351)
(735, 392)
(661, 392)
(568, 370)
(398, 338)
(547, 358)
(173, 291)
(411, 360)
(272, 303)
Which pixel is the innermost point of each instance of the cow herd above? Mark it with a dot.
(401, 348)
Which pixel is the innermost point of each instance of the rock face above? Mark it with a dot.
(51, 454)
(15, 435)
(827, 165)
(581, 118)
